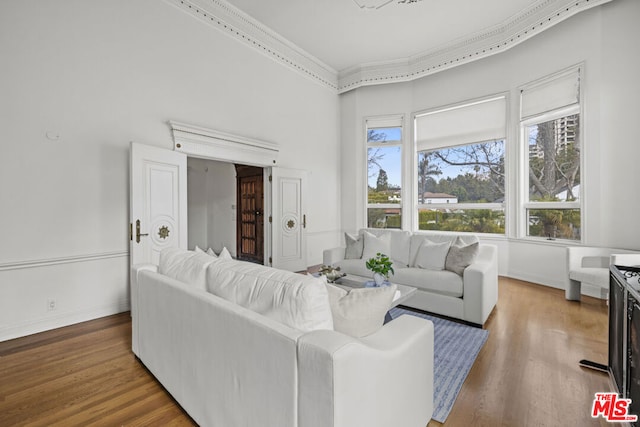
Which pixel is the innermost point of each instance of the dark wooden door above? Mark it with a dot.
(250, 219)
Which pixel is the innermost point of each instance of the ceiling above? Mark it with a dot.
(346, 44)
(342, 34)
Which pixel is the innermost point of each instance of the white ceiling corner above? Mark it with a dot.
(316, 38)
(371, 4)
(237, 24)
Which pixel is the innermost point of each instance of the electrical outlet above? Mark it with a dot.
(51, 304)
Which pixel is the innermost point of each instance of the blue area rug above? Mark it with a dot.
(455, 348)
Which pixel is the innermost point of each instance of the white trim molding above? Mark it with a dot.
(538, 17)
(17, 265)
(237, 24)
(216, 145)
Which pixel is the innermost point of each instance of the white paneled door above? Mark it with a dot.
(158, 202)
(289, 222)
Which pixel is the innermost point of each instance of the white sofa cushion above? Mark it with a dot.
(432, 256)
(186, 266)
(296, 300)
(360, 311)
(438, 281)
(375, 244)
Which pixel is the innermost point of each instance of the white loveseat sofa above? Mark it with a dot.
(470, 294)
(234, 359)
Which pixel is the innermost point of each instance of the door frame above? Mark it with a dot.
(201, 142)
(256, 172)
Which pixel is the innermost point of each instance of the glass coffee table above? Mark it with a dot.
(403, 292)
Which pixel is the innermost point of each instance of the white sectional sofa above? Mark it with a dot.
(467, 293)
(238, 344)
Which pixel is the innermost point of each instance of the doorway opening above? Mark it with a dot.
(226, 205)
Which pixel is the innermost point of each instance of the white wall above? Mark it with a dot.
(605, 39)
(211, 198)
(197, 204)
(221, 190)
(102, 74)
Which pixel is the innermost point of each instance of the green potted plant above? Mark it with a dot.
(381, 266)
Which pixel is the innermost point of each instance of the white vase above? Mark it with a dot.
(378, 279)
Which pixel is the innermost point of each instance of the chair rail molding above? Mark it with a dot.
(18, 265)
(539, 16)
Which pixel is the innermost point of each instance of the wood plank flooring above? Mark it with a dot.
(527, 373)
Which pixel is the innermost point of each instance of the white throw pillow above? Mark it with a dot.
(432, 256)
(296, 300)
(224, 254)
(376, 244)
(355, 245)
(186, 266)
(360, 311)
(208, 251)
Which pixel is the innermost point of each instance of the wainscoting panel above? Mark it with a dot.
(46, 294)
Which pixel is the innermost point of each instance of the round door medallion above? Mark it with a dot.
(163, 232)
(290, 223)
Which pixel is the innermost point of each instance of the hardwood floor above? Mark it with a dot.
(526, 374)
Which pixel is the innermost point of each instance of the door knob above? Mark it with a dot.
(138, 234)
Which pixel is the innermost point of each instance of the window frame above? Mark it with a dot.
(525, 204)
(385, 122)
(462, 206)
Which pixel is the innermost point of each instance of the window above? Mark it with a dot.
(461, 167)
(550, 124)
(384, 172)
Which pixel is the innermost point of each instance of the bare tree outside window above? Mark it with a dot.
(554, 176)
(472, 175)
(384, 166)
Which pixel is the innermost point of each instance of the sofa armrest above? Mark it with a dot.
(331, 256)
(135, 271)
(480, 285)
(383, 379)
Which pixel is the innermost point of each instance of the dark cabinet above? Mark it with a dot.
(624, 327)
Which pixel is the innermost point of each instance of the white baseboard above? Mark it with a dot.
(533, 278)
(62, 319)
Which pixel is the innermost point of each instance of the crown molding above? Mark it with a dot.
(538, 17)
(242, 27)
(532, 21)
